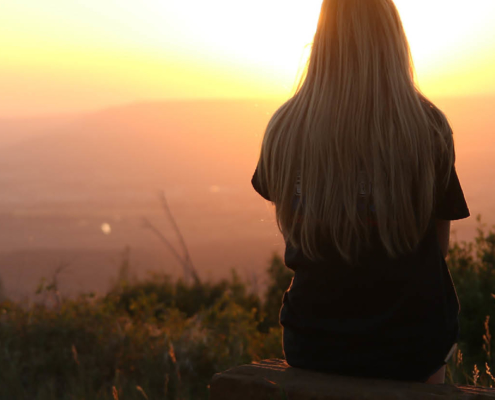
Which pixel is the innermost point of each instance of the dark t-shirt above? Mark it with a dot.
(389, 318)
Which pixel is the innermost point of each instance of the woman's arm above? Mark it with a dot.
(443, 233)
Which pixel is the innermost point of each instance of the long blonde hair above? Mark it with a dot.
(357, 135)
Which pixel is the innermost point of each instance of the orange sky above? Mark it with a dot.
(73, 55)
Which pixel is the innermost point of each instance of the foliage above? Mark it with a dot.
(150, 339)
(159, 338)
(472, 266)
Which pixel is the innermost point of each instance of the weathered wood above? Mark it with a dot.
(275, 380)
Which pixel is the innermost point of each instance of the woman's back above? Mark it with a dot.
(381, 312)
(387, 318)
(360, 166)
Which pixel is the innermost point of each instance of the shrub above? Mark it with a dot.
(472, 266)
(154, 338)
(158, 338)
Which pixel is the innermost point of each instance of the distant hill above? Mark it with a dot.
(61, 178)
(177, 143)
(171, 143)
(167, 142)
(17, 130)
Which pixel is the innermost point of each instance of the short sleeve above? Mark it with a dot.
(255, 181)
(451, 204)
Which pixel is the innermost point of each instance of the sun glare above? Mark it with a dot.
(270, 33)
(127, 50)
(444, 35)
(442, 31)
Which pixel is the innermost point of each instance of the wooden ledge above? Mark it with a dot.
(275, 380)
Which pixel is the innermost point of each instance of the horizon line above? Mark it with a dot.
(90, 111)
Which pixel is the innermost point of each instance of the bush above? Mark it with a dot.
(162, 339)
(154, 338)
(472, 266)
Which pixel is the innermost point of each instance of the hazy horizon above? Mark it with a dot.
(77, 187)
(61, 114)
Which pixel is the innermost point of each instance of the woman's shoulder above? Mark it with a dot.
(443, 140)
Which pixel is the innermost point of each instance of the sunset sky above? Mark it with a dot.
(62, 56)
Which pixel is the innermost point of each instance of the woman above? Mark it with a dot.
(360, 167)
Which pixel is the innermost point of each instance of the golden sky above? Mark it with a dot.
(73, 55)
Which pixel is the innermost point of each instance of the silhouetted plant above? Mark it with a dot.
(472, 266)
(165, 339)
